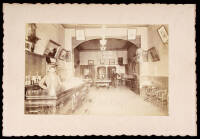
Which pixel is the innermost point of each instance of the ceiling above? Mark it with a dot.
(112, 44)
(106, 25)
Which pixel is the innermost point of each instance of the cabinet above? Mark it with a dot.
(35, 63)
(133, 84)
(65, 102)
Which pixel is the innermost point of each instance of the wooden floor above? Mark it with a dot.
(116, 101)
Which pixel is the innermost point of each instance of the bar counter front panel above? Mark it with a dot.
(71, 99)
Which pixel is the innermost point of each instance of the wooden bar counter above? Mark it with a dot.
(71, 97)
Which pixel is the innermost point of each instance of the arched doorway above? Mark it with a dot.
(113, 44)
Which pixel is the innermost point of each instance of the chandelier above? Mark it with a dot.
(103, 44)
(103, 41)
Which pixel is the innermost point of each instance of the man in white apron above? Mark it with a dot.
(51, 82)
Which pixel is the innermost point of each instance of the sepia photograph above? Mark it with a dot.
(96, 69)
(111, 89)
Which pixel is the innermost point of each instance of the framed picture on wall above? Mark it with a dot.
(163, 34)
(51, 46)
(90, 62)
(28, 45)
(64, 55)
(111, 61)
(153, 54)
(131, 34)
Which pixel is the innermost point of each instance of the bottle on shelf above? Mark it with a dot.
(33, 80)
(37, 78)
(29, 92)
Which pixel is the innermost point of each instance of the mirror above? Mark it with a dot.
(101, 72)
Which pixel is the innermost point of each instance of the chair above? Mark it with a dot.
(151, 93)
(162, 98)
(148, 94)
(154, 94)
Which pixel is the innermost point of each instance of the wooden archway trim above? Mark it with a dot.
(76, 43)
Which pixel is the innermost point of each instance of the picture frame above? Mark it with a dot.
(50, 46)
(152, 52)
(28, 46)
(90, 62)
(111, 61)
(64, 55)
(163, 34)
(131, 33)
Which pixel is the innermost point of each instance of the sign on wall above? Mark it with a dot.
(80, 35)
(131, 34)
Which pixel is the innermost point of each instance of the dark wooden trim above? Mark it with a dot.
(63, 26)
(136, 42)
(32, 53)
(95, 50)
(54, 42)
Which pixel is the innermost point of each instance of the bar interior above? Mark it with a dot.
(95, 69)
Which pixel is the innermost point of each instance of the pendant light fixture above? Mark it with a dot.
(103, 41)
